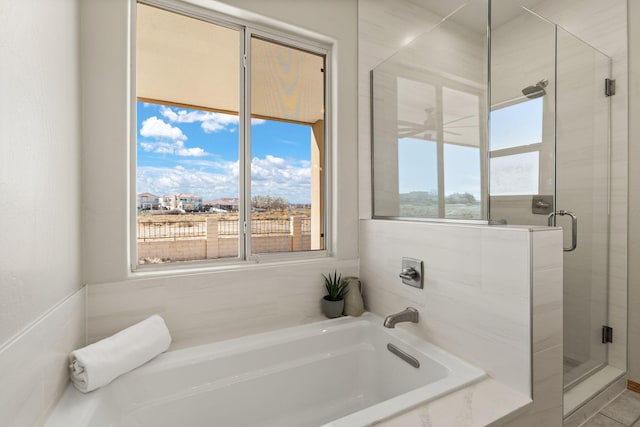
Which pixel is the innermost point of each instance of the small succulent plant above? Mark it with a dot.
(336, 287)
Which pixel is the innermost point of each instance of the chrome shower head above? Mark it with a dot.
(537, 90)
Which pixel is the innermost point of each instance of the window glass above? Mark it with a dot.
(207, 186)
(516, 125)
(287, 148)
(187, 161)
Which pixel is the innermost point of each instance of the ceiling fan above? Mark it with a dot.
(428, 127)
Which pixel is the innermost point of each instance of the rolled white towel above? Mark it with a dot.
(100, 363)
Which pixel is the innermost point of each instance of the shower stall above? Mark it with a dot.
(550, 165)
(527, 121)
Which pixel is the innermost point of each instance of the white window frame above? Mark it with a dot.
(246, 30)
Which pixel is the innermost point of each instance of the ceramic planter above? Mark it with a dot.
(332, 309)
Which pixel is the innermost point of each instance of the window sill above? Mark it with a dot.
(208, 266)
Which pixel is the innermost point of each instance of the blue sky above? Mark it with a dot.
(418, 171)
(191, 151)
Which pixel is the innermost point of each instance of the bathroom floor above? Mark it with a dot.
(624, 411)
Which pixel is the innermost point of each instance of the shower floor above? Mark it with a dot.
(574, 370)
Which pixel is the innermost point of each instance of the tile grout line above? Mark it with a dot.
(612, 419)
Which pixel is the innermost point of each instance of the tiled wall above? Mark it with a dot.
(34, 365)
(546, 294)
(476, 296)
(481, 284)
(201, 308)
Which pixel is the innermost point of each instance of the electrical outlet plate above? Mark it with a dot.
(418, 266)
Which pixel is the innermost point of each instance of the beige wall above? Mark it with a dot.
(634, 196)
(41, 304)
(39, 160)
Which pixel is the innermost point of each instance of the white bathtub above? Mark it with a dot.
(334, 373)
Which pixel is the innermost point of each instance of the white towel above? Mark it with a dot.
(100, 363)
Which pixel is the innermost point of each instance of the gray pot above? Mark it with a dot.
(332, 309)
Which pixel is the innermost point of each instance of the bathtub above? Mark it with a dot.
(337, 372)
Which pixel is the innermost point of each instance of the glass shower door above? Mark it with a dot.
(582, 187)
(549, 152)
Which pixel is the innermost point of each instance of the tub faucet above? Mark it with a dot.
(409, 314)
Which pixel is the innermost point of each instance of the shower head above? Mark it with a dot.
(537, 90)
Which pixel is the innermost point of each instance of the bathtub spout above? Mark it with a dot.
(409, 314)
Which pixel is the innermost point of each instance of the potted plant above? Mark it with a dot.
(333, 302)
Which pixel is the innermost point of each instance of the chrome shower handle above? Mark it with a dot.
(574, 227)
(409, 273)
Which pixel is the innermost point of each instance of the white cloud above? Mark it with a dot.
(211, 180)
(209, 121)
(167, 139)
(147, 146)
(281, 177)
(153, 127)
(188, 152)
(176, 148)
(209, 185)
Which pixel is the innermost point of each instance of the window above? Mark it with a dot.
(230, 140)
(516, 140)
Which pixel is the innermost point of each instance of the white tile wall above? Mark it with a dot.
(547, 331)
(480, 283)
(34, 365)
(206, 307)
(476, 298)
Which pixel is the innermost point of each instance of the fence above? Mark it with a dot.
(164, 241)
(178, 230)
(186, 230)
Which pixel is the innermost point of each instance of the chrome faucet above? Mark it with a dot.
(409, 314)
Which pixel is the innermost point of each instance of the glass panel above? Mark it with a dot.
(516, 125)
(582, 188)
(187, 138)
(418, 178)
(515, 175)
(429, 120)
(461, 118)
(522, 136)
(287, 148)
(462, 189)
